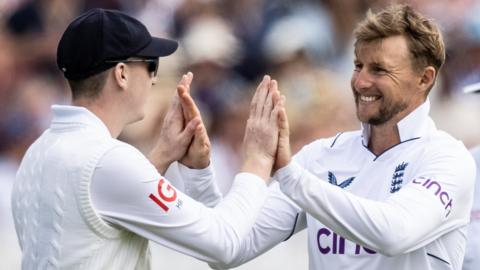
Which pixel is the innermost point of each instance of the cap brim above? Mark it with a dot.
(472, 88)
(158, 47)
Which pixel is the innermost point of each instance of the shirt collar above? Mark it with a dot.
(414, 125)
(66, 116)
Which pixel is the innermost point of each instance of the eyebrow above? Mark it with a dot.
(378, 63)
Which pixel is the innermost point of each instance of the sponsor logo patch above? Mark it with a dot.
(438, 190)
(166, 194)
(332, 179)
(328, 242)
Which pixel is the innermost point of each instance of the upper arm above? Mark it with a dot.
(440, 194)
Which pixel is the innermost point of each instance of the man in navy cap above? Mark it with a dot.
(85, 200)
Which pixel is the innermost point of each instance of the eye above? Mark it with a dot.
(358, 66)
(378, 70)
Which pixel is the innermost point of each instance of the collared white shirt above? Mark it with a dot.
(472, 255)
(404, 209)
(128, 193)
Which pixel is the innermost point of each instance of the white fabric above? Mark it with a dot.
(388, 216)
(472, 255)
(197, 183)
(59, 228)
(128, 192)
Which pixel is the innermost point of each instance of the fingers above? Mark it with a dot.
(187, 134)
(259, 96)
(190, 109)
(189, 80)
(262, 95)
(273, 99)
(173, 117)
(186, 81)
(201, 142)
(268, 106)
(283, 119)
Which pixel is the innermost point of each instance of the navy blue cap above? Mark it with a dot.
(100, 35)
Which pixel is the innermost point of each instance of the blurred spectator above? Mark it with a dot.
(35, 29)
(211, 50)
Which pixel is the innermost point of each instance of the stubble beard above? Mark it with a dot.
(386, 112)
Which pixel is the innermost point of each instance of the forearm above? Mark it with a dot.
(213, 235)
(390, 227)
(277, 221)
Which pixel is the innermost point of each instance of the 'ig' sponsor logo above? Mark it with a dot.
(167, 194)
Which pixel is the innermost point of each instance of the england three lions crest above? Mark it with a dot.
(397, 177)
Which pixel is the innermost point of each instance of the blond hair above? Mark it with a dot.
(425, 42)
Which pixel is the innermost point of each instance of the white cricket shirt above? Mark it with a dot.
(405, 209)
(84, 200)
(472, 255)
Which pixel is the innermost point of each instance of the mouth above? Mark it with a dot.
(368, 99)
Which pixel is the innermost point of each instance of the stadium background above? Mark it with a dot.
(305, 44)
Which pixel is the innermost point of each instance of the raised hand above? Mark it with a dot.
(262, 130)
(198, 153)
(175, 138)
(284, 154)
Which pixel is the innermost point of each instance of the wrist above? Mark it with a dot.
(258, 165)
(160, 160)
(196, 165)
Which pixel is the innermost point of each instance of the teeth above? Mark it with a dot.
(368, 98)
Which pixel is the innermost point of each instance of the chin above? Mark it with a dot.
(374, 120)
(366, 117)
(137, 118)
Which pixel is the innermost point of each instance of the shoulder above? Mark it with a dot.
(123, 148)
(447, 158)
(126, 160)
(442, 144)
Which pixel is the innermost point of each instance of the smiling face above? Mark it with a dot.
(384, 83)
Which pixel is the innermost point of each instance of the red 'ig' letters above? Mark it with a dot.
(167, 195)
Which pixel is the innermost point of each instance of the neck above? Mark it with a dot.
(106, 113)
(383, 137)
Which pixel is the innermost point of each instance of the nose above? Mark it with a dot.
(361, 80)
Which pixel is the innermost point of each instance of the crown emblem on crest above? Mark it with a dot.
(397, 178)
(332, 179)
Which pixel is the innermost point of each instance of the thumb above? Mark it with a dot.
(187, 134)
(283, 125)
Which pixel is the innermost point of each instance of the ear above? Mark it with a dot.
(428, 78)
(120, 73)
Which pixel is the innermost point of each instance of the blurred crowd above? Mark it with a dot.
(229, 45)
